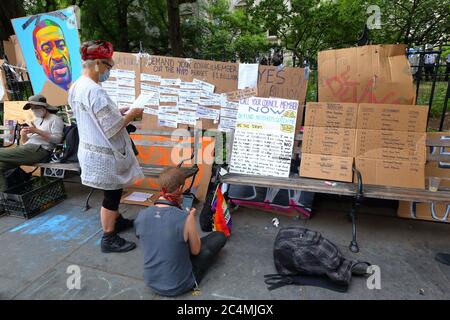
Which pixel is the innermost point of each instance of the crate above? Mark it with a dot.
(33, 197)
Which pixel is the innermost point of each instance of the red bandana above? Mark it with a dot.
(102, 50)
(172, 196)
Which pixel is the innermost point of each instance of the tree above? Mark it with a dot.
(9, 9)
(222, 34)
(416, 22)
(173, 13)
(307, 26)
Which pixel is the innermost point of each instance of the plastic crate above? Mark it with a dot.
(33, 197)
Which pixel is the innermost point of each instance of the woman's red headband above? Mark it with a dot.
(99, 50)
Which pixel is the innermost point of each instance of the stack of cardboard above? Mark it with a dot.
(386, 139)
(387, 142)
(329, 135)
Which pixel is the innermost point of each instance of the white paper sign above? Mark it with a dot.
(248, 75)
(264, 137)
(170, 82)
(206, 86)
(130, 74)
(164, 109)
(139, 196)
(127, 82)
(150, 77)
(171, 99)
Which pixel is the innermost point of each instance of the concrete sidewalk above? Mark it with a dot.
(36, 253)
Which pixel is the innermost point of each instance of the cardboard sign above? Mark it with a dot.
(326, 167)
(391, 145)
(13, 52)
(392, 117)
(223, 75)
(264, 137)
(436, 212)
(13, 111)
(374, 74)
(51, 48)
(242, 94)
(286, 83)
(331, 114)
(392, 173)
(329, 141)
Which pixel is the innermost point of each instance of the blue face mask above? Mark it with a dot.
(103, 76)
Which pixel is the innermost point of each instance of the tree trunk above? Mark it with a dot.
(9, 9)
(173, 13)
(122, 31)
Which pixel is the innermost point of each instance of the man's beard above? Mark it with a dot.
(60, 73)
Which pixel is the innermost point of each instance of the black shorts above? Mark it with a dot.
(111, 199)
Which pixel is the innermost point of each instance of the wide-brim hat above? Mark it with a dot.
(39, 100)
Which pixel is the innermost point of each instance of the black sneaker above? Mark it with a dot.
(123, 224)
(114, 243)
(443, 258)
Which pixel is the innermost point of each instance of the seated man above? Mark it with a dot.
(175, 258)
(37, 139)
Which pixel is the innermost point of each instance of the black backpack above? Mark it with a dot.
(304, 257)
(70, 144)
(15, 177)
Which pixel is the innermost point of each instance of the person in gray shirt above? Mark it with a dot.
(175, 257)
(37, 138)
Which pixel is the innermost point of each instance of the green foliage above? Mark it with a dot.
(222, 34)
(303, 27)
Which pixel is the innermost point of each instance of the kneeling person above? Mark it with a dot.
(175, 257)
(37, 139)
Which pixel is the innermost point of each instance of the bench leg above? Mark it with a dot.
(86, 205)
(354, 244)
(356, 202)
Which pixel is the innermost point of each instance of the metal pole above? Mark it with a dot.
(433, 85)
(419, 75)
(444, 110)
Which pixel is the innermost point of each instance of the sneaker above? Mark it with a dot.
(443, 258)
(114, 243)
(123, 224)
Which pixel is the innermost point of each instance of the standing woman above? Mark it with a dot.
(105, 153)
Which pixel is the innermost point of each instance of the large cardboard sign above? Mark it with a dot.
(286, 83)
(264, 137)
(224, 75)
(51, 48)
(374, 74)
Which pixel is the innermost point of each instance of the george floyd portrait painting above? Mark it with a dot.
(51, 47)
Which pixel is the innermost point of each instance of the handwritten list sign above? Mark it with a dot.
(264, 136)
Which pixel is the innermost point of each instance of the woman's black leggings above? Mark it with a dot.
(111, 199)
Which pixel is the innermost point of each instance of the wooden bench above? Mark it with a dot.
(357, 190)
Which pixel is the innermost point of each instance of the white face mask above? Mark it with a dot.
(39, 113)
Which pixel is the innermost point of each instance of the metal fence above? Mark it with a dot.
(432, 87)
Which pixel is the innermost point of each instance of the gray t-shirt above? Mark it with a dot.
(167, 263)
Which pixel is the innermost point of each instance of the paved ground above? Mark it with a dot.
(35, 255)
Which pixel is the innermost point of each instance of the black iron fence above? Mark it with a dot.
(432, 86)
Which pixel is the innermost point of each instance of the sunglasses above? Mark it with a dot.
(108, 65)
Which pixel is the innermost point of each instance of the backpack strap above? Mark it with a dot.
(278, 280)
(359, 272)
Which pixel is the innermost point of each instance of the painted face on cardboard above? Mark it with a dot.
(53, 55)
